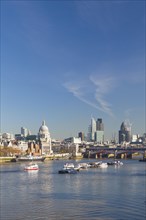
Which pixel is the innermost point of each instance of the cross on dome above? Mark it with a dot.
(43, 123)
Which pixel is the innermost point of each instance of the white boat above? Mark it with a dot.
(95, 164)
(28, 158)
(31, 166)
(117, 162)
(69, 166)
(98, 163)
(103, 165)
(84, 165)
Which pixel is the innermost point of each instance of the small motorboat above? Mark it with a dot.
(83, 166)
(103, 165)
(142, 160)
(67, 171)
(95, 164)
(111, 163)
(68, 166)
(31, 166)
(77, 167)
(116, 162)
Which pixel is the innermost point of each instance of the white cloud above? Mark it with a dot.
(93, 92)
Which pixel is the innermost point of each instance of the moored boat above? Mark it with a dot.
(67, 171)
(69, 166)
(103, 165)
(31, 166)
(83, 165)
(28, 158)
(142, 160)
(116, 162)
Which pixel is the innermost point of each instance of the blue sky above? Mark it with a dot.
(65, 61)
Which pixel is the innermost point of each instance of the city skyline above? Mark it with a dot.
(87, 135)
(64, 61)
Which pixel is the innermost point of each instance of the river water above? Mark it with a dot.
(113, 193)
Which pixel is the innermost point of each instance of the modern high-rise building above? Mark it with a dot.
(24, 132)
(99, 125)
(93, 129)
(89, 133)
(96, 130)
(125, 132)
(81, 135)
(99, 135)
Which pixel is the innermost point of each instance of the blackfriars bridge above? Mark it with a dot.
(118, 152)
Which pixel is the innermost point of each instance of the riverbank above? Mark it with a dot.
(5, 159)
(49, 157)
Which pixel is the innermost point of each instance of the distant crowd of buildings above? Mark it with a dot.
(96, 134)
(43, 143)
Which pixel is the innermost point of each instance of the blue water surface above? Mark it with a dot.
(113, 193)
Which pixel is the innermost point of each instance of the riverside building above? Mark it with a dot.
(45, 139)
(81, 135)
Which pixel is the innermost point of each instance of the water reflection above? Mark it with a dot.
(32, 173)
(91, 194)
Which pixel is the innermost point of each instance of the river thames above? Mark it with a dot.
(113, 193)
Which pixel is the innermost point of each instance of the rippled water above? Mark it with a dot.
(114, 193)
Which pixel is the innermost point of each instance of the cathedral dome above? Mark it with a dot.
(43, 128)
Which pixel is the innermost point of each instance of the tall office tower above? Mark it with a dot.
(93, 129)
(125, 132)
(144, 137)
(24, 132)
(99, 135)
(89, 133)
(81, 135)
(99, 125)
(29, 132)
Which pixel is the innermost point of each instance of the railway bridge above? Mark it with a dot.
(118, 152)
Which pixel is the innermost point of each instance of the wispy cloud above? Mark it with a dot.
(93, 92)
(103, 85)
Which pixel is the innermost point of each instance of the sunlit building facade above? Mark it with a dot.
(45, 139)
(125, 132)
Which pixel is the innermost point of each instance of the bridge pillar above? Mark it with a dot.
(144, 154)
(129, 156)
(119, 156)
(124, 155)
(97, 155)
(100, 155)
(115, 154)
